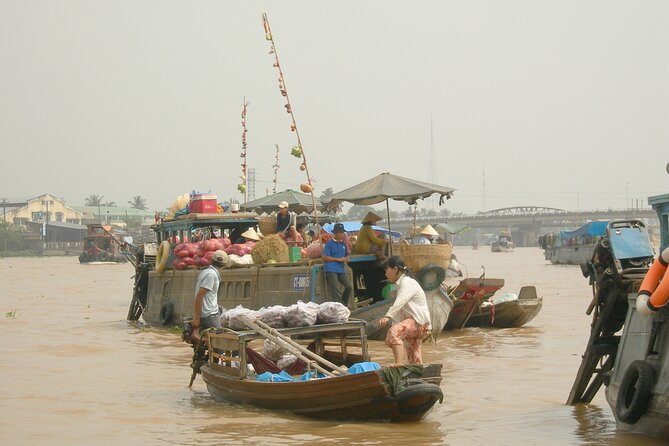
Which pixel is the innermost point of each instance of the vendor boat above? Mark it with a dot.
(504, 243)
(102, 246)
(573, 247)
(627, 352)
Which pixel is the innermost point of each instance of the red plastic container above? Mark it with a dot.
(202, 203)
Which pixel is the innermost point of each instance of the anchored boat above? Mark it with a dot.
(573, 247)
(634, 364)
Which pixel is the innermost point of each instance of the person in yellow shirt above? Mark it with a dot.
(368, 242)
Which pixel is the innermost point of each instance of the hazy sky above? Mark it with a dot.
(560, 103)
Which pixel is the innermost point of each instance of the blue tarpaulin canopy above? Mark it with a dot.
(593, 228)
(354, 226)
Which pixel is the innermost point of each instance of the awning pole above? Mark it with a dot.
(390, 235)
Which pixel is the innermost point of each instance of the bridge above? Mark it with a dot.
(526, 222)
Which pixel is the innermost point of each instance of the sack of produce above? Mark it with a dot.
(235, 316)
(235, 260)
(332, 313)
(273, 316)
(314, 250)
(286, 361)
(273, 351)
(301, 314)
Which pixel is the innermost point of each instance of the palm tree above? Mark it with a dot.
(138, 203)
(110, 204)
(94, 200)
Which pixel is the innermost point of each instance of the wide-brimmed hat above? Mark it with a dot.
(338, 227)
(220, 257)
(251, 233)
(429, 230)
(371, 217)
(283, 204)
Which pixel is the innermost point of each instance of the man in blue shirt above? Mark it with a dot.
(335, 258)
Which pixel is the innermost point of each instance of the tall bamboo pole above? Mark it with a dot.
(299, 149)
(275, 166)
(243, 185)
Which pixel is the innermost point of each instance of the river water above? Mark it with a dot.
(75, 372)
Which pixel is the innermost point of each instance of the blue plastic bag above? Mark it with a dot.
(280, 377)
(361, 367)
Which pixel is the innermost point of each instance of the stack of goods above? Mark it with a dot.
(194, 255)
(299, 314)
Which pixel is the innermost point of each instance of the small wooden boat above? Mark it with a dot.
(466, 295)
(507, 314)
(504, 243)
(369, 395)
(467, 298)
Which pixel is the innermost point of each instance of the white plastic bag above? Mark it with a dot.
(301, 314)
(273, 316)
(332, 313)
(235, 317)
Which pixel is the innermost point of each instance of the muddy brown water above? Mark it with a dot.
(75, 372)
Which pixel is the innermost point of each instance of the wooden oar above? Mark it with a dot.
(298, 350)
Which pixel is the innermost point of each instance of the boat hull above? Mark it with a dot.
(569, 255)
(515, 313)
(638, 333)
(362, 396)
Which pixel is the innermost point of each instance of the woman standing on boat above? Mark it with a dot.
(409, 313)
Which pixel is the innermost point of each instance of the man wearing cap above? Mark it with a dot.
(286, 222)
(425, 236)
(335, 257)
(206, 297)
(368, 242)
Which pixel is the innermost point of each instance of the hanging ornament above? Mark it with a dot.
(306, 188)
(303, 167)
(296, 151)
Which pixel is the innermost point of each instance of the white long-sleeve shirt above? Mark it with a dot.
(410, 301)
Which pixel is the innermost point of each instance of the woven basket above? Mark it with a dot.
(267, 224)
(417, 256)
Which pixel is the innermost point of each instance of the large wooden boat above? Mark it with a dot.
(369, 395)
(634, 365)
(573, 247)
(509, 313)
(101, 246)
(166, 297)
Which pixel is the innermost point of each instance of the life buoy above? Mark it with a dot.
(418, 398)
(162, 255)
(654, 289)
(431, 276)
(166, 312)
(635, 392)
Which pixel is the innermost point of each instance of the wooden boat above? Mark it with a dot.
(573, 247)
(504, 243)
(101, 246)
(468, 295)
(166, 297)
(507, 314)
(368, 395)
(465, 295)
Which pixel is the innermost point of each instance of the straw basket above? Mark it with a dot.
(267, 224)
(416, 257)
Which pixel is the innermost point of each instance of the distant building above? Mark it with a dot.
(45, 208)
(116, 215)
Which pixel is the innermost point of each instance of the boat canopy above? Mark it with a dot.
(354, 226)
(593, 228)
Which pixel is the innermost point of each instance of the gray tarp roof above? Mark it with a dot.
(297, 202)
(385, 186)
